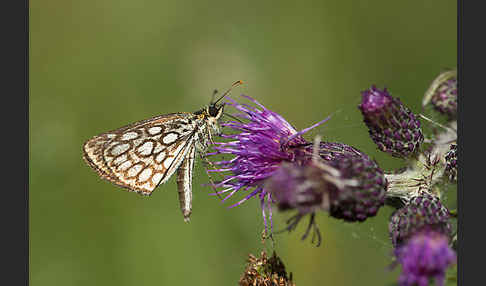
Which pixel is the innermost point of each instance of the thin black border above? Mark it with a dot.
(15, 91)
(26, 92)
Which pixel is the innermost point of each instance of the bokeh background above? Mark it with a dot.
(96, 65)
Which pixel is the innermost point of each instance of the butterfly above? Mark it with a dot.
(143, 155)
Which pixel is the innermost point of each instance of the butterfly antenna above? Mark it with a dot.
(228, 91)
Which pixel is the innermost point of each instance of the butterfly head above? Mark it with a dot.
(215, 110)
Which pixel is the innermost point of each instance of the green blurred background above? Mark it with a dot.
(96, 65)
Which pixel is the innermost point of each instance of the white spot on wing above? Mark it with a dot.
(118, 149)
(155, 130)
(120, 159)
(160, 157)
(137, 141)
(133, 171)
(129, 136)
(125, 166)
(169, 138)
(145, 174)
(146, 148)
(168, 161)
(157, 177)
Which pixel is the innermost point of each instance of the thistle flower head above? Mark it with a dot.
(264, 140)
(424, 256)
(424, 212)
(392, 126)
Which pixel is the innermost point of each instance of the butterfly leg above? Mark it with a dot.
(213, 184)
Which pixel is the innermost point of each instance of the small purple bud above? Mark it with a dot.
(363, 184)
(390, 123)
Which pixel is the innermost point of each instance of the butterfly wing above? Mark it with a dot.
(142, 155)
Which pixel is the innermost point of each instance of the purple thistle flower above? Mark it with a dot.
(392, 126)
(262, 143)
(424, 256)
(420, 233)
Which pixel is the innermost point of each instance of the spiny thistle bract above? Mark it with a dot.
(264, 140)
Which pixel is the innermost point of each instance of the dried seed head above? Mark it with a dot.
(265, 271)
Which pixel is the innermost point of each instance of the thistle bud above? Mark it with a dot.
(442, 93)
(359, 185)
(424, 212)
(392, 126)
